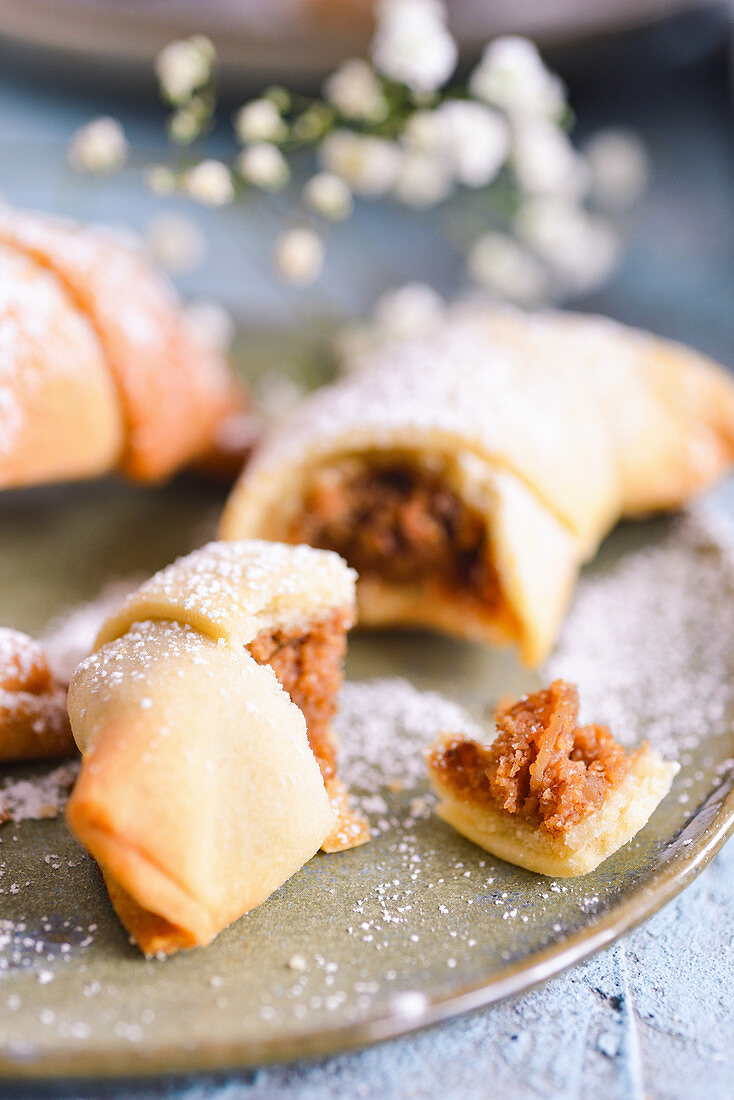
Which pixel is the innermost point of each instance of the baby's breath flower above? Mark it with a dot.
(176, 243)
(264, 166)
(545, 161)
(99, 147)
(281, 97)
(619, 168)
(184, 125)
(408, 311)
(499, 264)
(355, 92)
(580, 248)
(512, 75)
(369, 165)
(423, 180)
(260, 120)
(329, 195)
(210, 183)
(423, 132)
(160, 179)
(212, 323)
(313, 123)
(299, 256)
(412, 44)
(475, 140)
(183, 67)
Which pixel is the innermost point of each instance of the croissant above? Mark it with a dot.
(208, 767)
(33, 721)
(101, 368)
(468, 475)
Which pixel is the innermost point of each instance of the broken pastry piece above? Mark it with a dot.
(468, 474)
(547, 794)
(208, 763)
(34, 724)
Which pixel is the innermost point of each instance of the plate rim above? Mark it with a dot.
(172, 1061)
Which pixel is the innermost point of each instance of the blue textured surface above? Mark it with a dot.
(653, 1016)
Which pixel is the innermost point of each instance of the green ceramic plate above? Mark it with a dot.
(419, 924)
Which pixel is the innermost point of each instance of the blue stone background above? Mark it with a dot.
(653, 1016)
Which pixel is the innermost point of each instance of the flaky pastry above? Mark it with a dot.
(208, 764)
(547, 794)
(467, 475)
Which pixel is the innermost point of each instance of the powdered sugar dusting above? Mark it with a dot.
(39, 797)
(650, 639)
(70, 636)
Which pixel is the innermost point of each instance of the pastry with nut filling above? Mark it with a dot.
(203, 717)
(467, 475)
(547, 794)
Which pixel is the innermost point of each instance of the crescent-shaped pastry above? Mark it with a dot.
(547, 794)
(100, 367)
(208, 765)
(34, 724)
(467, 475)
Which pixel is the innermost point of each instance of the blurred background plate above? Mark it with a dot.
(258, 39)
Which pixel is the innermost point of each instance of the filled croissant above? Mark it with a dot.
(468, 475)
(208, 765)
(100, 367)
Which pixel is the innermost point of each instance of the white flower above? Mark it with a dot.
(99, 147)
(264, 166)
(499, 264)
(423, 132)
(412, 44)
(369, 165)
(212, 324)
(184, 66)
(260, 120)
(299, 256)
(210, 183)
(545, 161)
(475, 140)
(176, 243)
(160, 179)
(619, 168)
(512, 75)
(355, 91)
(423, 180)
(580, 248)
(329, 195)
(408, 311)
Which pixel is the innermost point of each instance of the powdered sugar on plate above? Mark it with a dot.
(39, 797)
(650, 638)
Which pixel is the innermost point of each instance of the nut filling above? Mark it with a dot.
(542, 766)
(402, 523)
(309, 666)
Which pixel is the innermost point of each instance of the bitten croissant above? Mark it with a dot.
(100, 367)
(208, 765)
(467, 475)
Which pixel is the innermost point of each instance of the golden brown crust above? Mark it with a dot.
(34, 724)
(173, 391)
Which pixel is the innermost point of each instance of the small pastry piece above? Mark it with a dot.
(103, 369)
(34, 724)
(547, 794)
(467, 475)
(205, 784)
